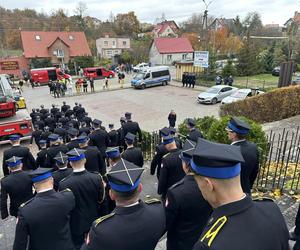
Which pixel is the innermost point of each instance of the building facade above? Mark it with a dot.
(166, 29)
(108, 47)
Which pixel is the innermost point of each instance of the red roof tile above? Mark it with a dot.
(39, 48)
(173, 45)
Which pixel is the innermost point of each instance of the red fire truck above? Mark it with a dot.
(44, 75)
(98, 72)
(7, 103)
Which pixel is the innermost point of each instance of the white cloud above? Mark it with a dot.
(275, 11)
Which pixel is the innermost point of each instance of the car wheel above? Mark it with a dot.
(214, 101)
(143, 86)
(164, 83)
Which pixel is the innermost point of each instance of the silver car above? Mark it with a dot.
(241, 94)
(216, 94)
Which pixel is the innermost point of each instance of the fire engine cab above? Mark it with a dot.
(45, 75)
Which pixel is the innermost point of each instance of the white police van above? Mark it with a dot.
(151, 76)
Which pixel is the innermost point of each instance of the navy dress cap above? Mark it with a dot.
(14, 137)
(125, 176)
(112, 152)
(72, 131)
(130, 137)
(40, 174)
(215, 160)
(187, 150)
(82, 138)
(191, 122)
(61, 158)
(42, 142)
(14, 161)
(76, 154)
(164, 131)
(97, 122)
(53, 137)
(238, 126)
(168, 139)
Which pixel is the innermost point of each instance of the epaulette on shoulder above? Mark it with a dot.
(152, 201)
(166, 155)
(26, 202)
(103, 218)
(211, 234)
(177, 184)
(263, 199)
(65, 178)
(66, 190)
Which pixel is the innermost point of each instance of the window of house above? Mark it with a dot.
(116, 52)
(114, 43)
(184, 56)
(37, 37)
(124, 43)
(109, 53)
(169, 57)
(71, 37)
(58, 53)
(105, 43)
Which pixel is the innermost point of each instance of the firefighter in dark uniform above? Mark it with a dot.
(64, 107)
(44, 220)
(194, 133)
(64, 121)
(74, 122)
(41, 155)
(84, 128)
(45, 136)
(132, 153)
(50, 122)
(19, 151)
(72, 134)
(237, 131)
(87, 119)
(36, 135)
(59, 130)
(94, 159)
(121, 135)
(43, 110)
(75, 108)
(45, 115)
(113, 136)
(132, 127)
(130, 216)
(69, 113)
(171, 170)
(39, 122)
(186, 210)
(54, 110)
(80, 112)
(237, 221)
(172, 131)
(33, 115)
(88, 189)
(160, 151)
(56, 146)
(17, 185)
(99, 137)
(61, 161)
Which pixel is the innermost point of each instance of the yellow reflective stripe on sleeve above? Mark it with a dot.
(214, 230)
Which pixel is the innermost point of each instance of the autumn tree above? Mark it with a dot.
(127, 24)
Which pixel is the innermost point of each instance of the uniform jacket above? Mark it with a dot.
(100, 139)
(140, 228)
(89, 192)
(157, 159)
(41, 158)
(28, 160)
(45, 218)
(113, 138)
(246, 225)
(72, 144)
(134, 155)
(132, 127)
(18, 186)
(94, 160)
(194, 135)
(186, 214)
(59, 175)
(52, 152)
(249, 169)
(36, 135)
(171, 171)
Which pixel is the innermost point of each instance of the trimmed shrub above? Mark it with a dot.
(272, 106)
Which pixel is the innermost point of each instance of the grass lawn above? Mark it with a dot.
(262, 81)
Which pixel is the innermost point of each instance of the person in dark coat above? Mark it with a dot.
(194, 133)
(54, 110)
(36, 136)
(74, 122)
(61, 161)
(129, 217)
(237, 131)
(132, 153)
(171, 170)
(42, 155)
(56, 146)
(69, 113)
(17, 186)
(59, 130)
(87, 120)
(84, 128)
(43, 222)
(99, 137)
(50, 122)
(75, 108)
(237, 221)
(132, 127)
(186, 210)
(178, 141)
(80, 112)
(121, 135)
(65, 107)
(64, 121)
(19, 151)
(45, 135)
(43, 110)
(88, 189)
(113, 136)
(72, 134)
(172, 118)
(94, 159)
(38, 122)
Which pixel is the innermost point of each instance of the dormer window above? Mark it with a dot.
(37, 37)
(71, 37)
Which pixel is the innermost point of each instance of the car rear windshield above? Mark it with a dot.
(213, 90)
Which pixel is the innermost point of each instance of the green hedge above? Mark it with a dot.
(272, 106)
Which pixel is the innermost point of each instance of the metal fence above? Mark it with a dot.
(279, 168)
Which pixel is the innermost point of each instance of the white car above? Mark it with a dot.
(241, 94)
(140, 67)
(216, 94)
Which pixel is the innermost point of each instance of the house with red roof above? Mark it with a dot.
(60, 47)
(166, 51)
(166, 29)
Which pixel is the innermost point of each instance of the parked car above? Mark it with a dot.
(296, 80)
(151, 76)
(216, 94)
(45, 75)
(241, 94)
(140, 67)
(98, 72)
(276, 71)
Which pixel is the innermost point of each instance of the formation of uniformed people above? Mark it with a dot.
(188, 79)
(87, 184)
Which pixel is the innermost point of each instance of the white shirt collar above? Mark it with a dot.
(237, 141)
(79, 170)
(133, 204)
(44, 190)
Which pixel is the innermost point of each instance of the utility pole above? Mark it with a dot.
(204, 23)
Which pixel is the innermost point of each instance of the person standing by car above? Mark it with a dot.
(172, 118)
(85, 85)
(230, 80)
(92, 84)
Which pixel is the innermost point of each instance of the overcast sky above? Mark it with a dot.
(275, 11)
